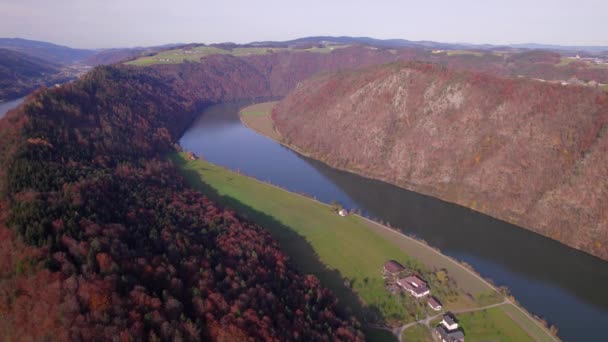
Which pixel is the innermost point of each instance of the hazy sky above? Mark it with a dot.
(122, 23)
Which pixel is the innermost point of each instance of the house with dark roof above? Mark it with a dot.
(434, 304)
(447, 330)
(449, 322)
(449, 336)
(414, 285)
(392, 268)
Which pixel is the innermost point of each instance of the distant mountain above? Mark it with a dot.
(50, 52)
(21, 73)
(383, 43)
(588, 48)
(401, 43)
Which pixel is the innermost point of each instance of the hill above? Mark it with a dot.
(20, 74)
(527, 152)
(53, 53)
(104, 240)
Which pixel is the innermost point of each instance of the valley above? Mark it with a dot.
(482, 242)
(134, 112)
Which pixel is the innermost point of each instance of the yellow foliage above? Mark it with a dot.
(442, 276)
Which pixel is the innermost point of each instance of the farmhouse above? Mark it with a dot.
(392, 268)
(414, 285)
(447, 330)
(343, 212)
(435, 304)
(449, 336)
(449, 322)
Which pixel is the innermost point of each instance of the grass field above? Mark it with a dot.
(492, 325)
(417, 333)
(464, 52)
(537, 333)
(194, 54)
(318, 241)
(336, 248)
(257, 118)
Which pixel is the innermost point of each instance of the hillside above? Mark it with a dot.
(20, 74)
(527, 152)
(104, 240)
(53, 53)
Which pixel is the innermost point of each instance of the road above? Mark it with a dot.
(427, 321)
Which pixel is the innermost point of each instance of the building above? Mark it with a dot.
(449, 336)
(392, 268)
(434, 304)
(415, 286)
(342, 212)
(447, 330)
(449, 322)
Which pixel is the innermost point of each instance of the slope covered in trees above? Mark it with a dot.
(531, 153)
(106, 242)
(20, 74)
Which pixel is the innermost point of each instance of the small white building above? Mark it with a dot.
(449, 323)
(434, 304)
(342, 212)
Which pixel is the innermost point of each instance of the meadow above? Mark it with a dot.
(194, 54)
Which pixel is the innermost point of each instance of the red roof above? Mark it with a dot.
(434, 303)
(413, 283)
(393, 266)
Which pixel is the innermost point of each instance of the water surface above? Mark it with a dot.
(567, 287)
(6, 106)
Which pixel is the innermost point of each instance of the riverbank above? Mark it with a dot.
(340, 250)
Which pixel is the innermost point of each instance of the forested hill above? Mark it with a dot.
(528, 152)
(100, 239)
(20, 73)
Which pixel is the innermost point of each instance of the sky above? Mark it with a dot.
(128, 23)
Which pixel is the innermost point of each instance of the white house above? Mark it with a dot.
(434, 304)
(449, 322)
(415, 286)
(343, 212)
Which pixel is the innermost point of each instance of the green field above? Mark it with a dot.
(537, 333)
(417, 333)
(342, 251)
(491, 325)
(464, 52)
(194, 54)
(347, 254)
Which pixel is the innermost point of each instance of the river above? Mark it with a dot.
(567, 287)
(8, 105)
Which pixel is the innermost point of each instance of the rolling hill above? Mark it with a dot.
(53, 53)
(20, 74)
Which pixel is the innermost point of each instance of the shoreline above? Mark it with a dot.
(400, 234)
(363, 173)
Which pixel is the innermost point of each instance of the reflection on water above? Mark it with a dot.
(563, 285)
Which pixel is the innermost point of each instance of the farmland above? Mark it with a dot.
(194, 54)
(343, 252)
